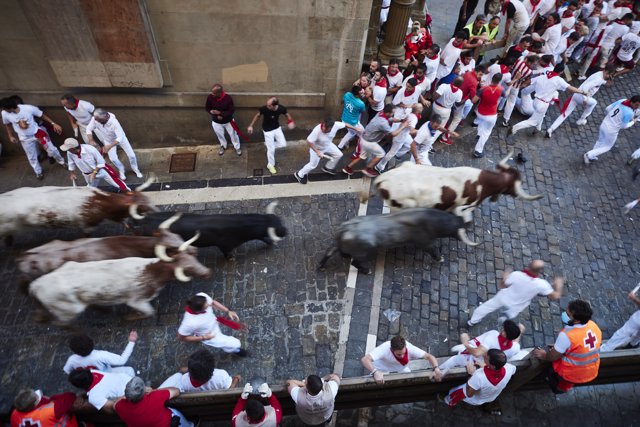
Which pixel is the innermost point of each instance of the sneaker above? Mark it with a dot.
(474, 124)
(63, 164)
(581, 122)
(241, 353)
(586, 158)
(123, 177)
(221, 151)
(329, 171)
(39, 176)
(478, 155)
(272, 169)
(370, 173)
(630, 161)
(446, 140)
(347, 170)
(378, 168)
(344, 147)
(138, 174)
(431, 150)
(239, 152)
(301, 179)
(505, 123)
(549, 133)
(582, 78)
(471, 324)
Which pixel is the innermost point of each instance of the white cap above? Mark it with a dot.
(69, 143)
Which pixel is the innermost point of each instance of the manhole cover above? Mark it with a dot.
(184, 162)
(258, 172)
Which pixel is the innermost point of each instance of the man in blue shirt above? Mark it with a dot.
(353, 107)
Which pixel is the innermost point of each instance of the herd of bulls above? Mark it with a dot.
(66, 277)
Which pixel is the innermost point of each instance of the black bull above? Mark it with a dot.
(360, 237)
(224, 231)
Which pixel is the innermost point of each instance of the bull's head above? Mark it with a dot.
(277, 231)
(515, 180)
(169, 240)
(140, 200)
(188, 266)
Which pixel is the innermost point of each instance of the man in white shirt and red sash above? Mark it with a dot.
(91, 163)
(485, 384)
(393, 356)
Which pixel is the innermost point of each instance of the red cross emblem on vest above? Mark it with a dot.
(590, 340)
(30, 423)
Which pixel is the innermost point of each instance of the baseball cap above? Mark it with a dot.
(69, 143)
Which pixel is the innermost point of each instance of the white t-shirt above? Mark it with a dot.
(82, 113)
(521, 16)
(23, 121)
(394, 81)
(563, 342)
(220, 380)
(432, 69)
(99, 359)
(199, 324)
(404, 136)
(448, 97)
(612, 33)
(551, 38)
(384, 359)
(593, 83)
(401, 98)
(89, 159)
(111, 386)
(448, 58)
(320, 139)
(379, 94)
(333, 386)
(522, 288)
(487, 392)
(489, 340)
(630, 43)
(492, 71)
(424, 139)
(469, 67)
(112, 131)
(545, 87)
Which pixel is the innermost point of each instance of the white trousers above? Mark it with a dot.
(498, 302)
(628, 334)
(586, 101)
(606, 141)
(444, 114)
(636, 154)
(349, 136)
(370, 148)
(397, 145)
(459, 360)
(272, 140)
(126, 147)
(524, 104)
(224, 342)
(219, 129)
(539, 111)
(512, 100)
(330, 150)
(102, 174)
(30, 147)
(485, 126)
(459, 114)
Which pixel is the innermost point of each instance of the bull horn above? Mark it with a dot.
(503, 163)
(520, 193)
(133, 211)
(183, 247)
(146, 184)
(271, 208)
(179, 273)
(272, 235)
(161, 252)
(168, 222)
(462, 235)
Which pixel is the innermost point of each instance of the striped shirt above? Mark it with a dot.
(520, 67)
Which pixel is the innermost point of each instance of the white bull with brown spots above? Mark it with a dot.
(412, 185)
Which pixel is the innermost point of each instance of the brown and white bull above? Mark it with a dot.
(44, 259)
(69, 290)
(411, 185)
(83, 207)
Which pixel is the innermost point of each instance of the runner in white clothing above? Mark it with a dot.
(109, 127)
(629, 333)
(450, 54)
(625, 58)
(552, 34)
(445, 98)
(590, 86)
(401, 143)
(605, 42)
(91, 164)
(393, 356)
(80, 113)
(202, 375)
(619, 115)
(86, 356)
(516, 292)
(424, 139)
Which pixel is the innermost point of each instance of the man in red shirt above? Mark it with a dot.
(469, 87)
(34, 409)
(142, 408)
(487, 112)
(220, 106)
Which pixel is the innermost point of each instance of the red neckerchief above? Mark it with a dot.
(567, 14)
(494, 376)
(459, 45)
(402, 360)
(75, 106)
(551, 74)
(627, 103)
(504, 7)
(419, 80)
(188, 310)
(505, 343)
(389, 73)
(407, 93)
(534, 4)
(222, 95)
(517, 47)
(454, 89)
(617, 21)
(622, 4)
(434, 57)
(504, 69)
(96, 379)
(382, 82)
(195, 383)
(418, 116)
(530, 274)
(383, 115)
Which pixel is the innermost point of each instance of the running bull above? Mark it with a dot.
(224, 231)
(44, 259)
(360, 237)
(69, 290)
(53, 207)
(413, 185)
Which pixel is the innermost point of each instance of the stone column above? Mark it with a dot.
(396, 29)
(371, 49)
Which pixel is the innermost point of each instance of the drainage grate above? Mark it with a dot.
(183, 162)
(258, 172)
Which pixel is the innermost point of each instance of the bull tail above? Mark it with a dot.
(330, 252)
